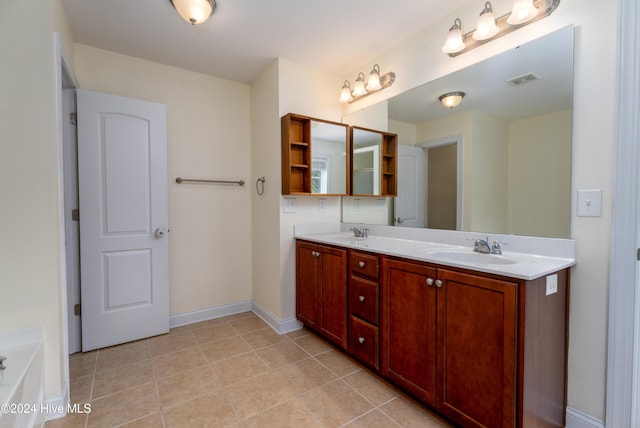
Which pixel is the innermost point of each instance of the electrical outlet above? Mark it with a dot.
(356, 204)
(552, 284)
(381, 204)
(322, 205)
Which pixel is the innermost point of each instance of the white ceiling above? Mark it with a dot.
(244, 36)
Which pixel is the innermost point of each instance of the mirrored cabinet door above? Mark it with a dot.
(374, 158)
(315, 156)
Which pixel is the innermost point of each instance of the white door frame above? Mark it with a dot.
(623, 359)
(459, 140)
(65, 78)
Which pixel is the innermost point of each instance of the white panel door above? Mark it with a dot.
(409, 204)
(122, 175)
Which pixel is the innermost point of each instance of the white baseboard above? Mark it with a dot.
(57, 405)
(280, 326)
(576, 419)
(185, 318)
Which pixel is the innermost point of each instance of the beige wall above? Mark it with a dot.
(208, 137)
(31, 243)
(419, 60)
(539, 180)
(320, 100)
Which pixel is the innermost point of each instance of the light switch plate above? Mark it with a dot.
(356, 204)
(590, 203)
(289, 205)
(381, 204)
(552, 284)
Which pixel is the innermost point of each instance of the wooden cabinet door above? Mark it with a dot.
(333, 295)
(476, 361)
(307, 274)
(409, 327)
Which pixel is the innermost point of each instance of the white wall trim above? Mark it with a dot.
(280, 326)
(185, 318)
(57, 405)
(458, 140)
(576, 419)
(621, 376)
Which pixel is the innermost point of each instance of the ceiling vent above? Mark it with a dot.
(521, 80)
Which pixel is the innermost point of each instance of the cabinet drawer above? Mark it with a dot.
(366, 265)
(363, 341)
(363, 299)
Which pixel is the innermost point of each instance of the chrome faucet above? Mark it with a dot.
(483, 246)
(360, 232)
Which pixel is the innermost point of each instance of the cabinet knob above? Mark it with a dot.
(361, 339)
(429, 281)
(361, 264)
(439, 283)
(361, 298)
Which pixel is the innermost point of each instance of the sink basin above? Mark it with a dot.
(472, 257)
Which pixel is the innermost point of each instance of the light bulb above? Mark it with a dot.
(487, 27)
(523, 11)
(358, 86)
(373, 84)
(454, 42)
(345, 93)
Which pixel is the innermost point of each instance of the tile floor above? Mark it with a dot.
(237, 372)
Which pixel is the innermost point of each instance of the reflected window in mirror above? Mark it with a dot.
(315, 156)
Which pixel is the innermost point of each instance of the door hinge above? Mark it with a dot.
(77, 311)
(73, 118)
(75, 214)
(638, 254)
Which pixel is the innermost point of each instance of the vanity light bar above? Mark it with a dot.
(505, 28)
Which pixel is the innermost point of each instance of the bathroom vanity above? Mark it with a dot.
(480, 338)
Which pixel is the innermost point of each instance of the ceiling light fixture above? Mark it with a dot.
(451, 99)
(524, 12)
(375, 83)
(194, 11)
(487, 27)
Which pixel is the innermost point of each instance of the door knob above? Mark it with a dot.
(361, 264)
(399, 220)
(159, 233)
(361, 339)
(429, 281)
(361, 298)
(439, 283)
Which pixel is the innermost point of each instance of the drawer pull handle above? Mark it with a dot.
(361, 264)
(361, 298)
(429, 281)
(361, 339)
(439, 283)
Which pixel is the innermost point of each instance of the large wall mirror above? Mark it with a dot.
(500, 162)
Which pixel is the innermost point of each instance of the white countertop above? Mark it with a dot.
(514, 264)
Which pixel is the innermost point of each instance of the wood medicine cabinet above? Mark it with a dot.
(315, 156)
(318, 159)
